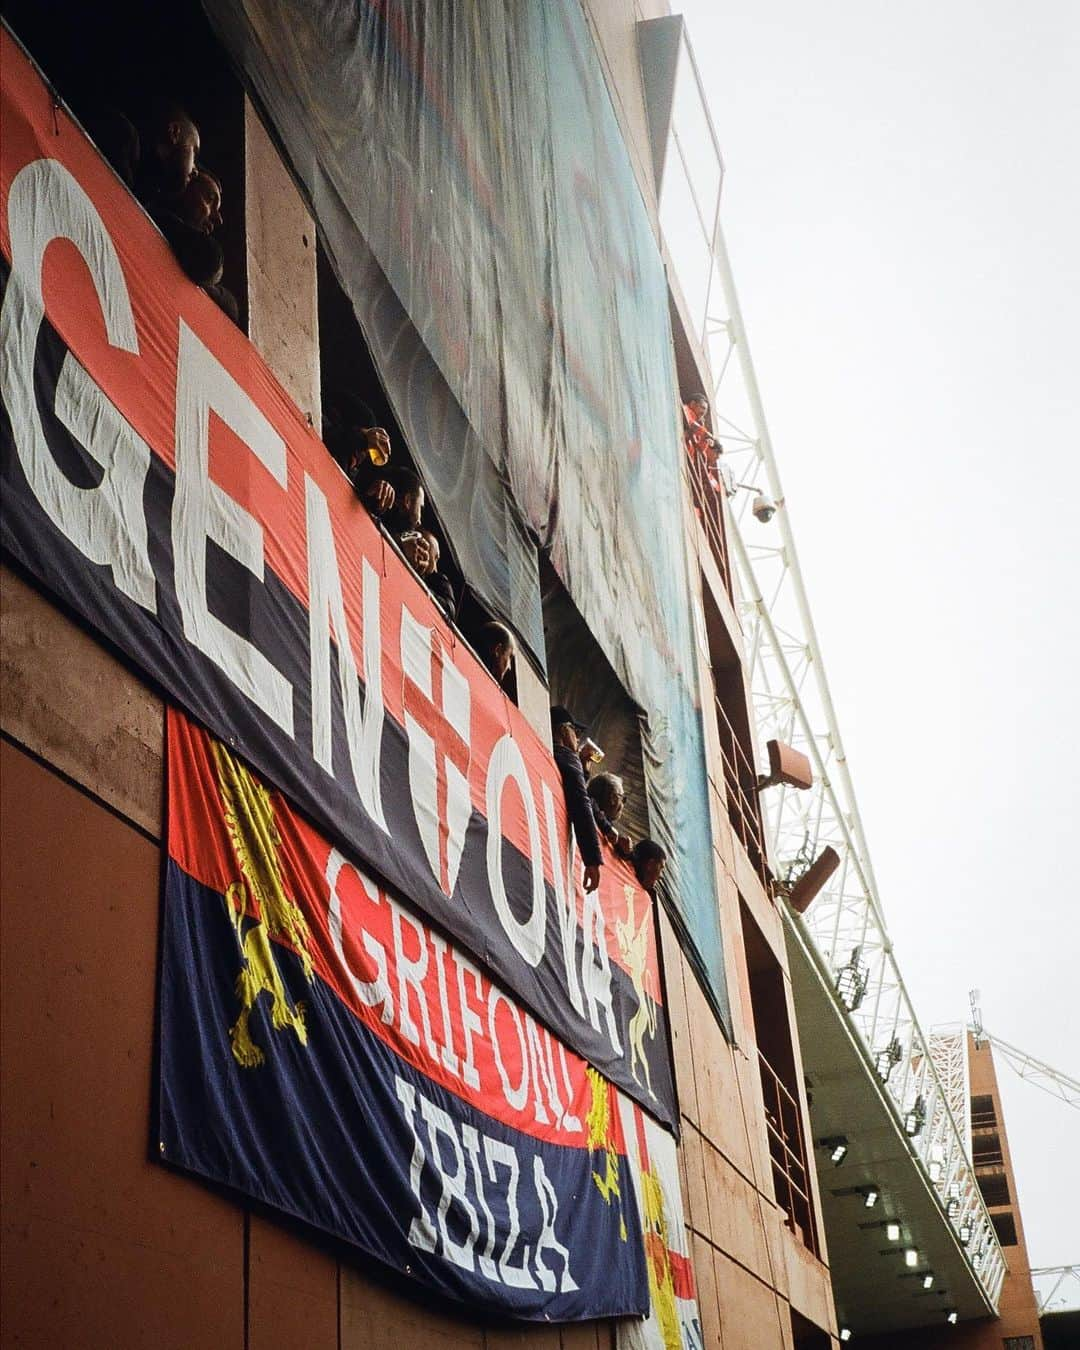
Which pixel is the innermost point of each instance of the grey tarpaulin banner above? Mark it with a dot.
(476, 199)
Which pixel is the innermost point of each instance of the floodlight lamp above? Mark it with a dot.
(892, 1232)
(953, 1210)
(845, 1333)
(915, 1119)
(928, 1280)
(886, 1060)
(954, 1190)
(851, 981)
(976, 1260)
(870, 1197)
(837, 1146)
(911, 1257)
(952, 1319)
(965, 1232)
(935, 1171)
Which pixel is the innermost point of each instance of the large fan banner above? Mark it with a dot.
(159, 482)
(327, 1052)
(673, 1322)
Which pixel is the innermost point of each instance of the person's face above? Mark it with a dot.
(182, 140)
(616, 800)
(699, 408)
(502, 658)
(651, 871)
(412, 506)
(202, 204)
(566, 734)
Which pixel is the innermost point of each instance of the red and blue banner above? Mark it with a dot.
(327, 1052)
(156, 479)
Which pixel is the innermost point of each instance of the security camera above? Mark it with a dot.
(763, 507)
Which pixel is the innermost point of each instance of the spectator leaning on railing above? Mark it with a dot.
(701, 445)
(608, 797)
(564, 734)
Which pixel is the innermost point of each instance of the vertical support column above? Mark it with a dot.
(534, 699)
(283, 307)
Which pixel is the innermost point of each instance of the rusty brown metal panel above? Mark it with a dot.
(102, 1248)
(536, 1338)
(292, 1291)
(69, 701)
(375, 1318)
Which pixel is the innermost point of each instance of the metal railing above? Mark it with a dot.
(740, 794)
(709, 505)
(787, 1154)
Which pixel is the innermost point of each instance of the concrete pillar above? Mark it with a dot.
(283, 303)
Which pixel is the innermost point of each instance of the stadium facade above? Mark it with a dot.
(311, 1035)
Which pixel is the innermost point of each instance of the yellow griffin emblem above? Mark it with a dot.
(601, 1127)
(258, 907)
(634, 946)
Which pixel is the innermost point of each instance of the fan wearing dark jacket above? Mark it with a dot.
(564, 734)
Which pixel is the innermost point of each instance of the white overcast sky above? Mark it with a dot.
(902, 209)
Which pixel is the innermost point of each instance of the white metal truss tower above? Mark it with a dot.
(791, 701)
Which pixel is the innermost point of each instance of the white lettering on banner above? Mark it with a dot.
(508, 763)
(563, 886)
(463, 1192)
(410, 976)
(449, 1057)
(363, 717)
(106, 523)
(515, 1097)
(416, 965)
(549, 1209)
(421, 1230)
(470, 1138)
(374, 992)
(425, 760)
(453, 1189)
(596, 969)
(470, 1023)
(202, 511)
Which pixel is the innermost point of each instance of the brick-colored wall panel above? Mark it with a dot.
(708, 1297)
(734, 1213)
(102, 1247)
(376, 1318)
(292, 1291)
(754, 1318)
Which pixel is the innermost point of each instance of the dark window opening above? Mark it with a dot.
(116, 64)
(1005, 1228)
(995, 1188)
(706, 494)
(731, 709)
(982, 1112)
(581, 679)
(353, 396)
(986, 1149)
(779, 1082)
(806, 1336)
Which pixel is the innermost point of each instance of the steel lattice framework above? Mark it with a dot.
(1050, 1281)
(1034, 1071)
(791, 702)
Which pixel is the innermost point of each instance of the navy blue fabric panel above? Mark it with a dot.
(324, 1131)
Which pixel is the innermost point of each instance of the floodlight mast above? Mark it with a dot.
(792, 703)
(1030, 1069)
